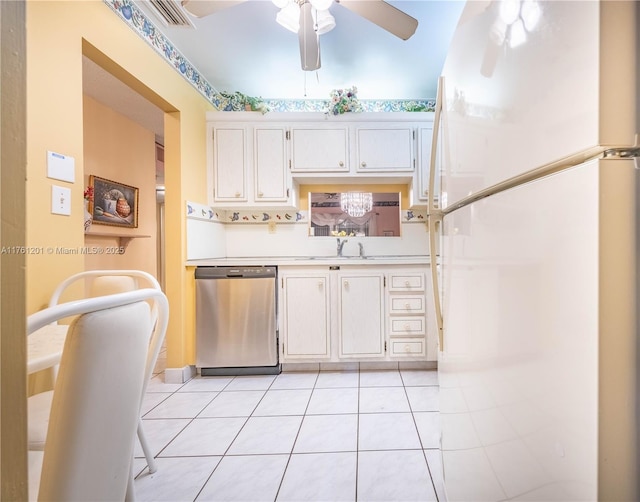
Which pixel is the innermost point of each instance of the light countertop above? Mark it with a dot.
(311, 261)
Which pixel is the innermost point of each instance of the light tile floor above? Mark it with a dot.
(324, 436)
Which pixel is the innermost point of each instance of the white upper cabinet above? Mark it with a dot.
(420, 187)
(385, 148)
(250, 166)
(319, 149)
(270, 164)
(230, 163)
(257, 161)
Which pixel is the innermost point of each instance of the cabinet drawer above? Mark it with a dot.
(406, 305)
(406, 282)
(407, 326)
(408, 347)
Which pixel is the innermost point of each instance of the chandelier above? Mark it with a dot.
(356, 203)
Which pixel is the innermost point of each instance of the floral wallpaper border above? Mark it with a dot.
(203, 212)
(136, 19)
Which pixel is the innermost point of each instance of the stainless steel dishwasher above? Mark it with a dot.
(236, 330)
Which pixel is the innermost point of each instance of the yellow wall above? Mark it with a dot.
(121, 150)
(58, 34)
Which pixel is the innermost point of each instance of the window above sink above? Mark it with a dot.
(328, 216)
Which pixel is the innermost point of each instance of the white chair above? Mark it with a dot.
(99, 283)
(96, 400)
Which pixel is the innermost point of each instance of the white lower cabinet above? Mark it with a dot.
(407, 322)
(361, 314)
(305, 318)
(355, 313)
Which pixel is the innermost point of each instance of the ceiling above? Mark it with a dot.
(242, 48)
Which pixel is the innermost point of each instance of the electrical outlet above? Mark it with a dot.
(272, 227)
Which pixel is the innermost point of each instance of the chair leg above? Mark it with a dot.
(151, 462)
(130, 495)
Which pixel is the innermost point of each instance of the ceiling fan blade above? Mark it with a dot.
(384, 15)
(308, 37)
(202, 8)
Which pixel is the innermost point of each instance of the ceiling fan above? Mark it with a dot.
(311, 18)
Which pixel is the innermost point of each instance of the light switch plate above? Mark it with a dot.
(60, 200)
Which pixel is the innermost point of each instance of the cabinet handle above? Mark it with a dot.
(320, 284)
(341, 164)
(363, 164)
(407, 284)
(407, 327)
(407, 306)
(346, 284)
(237, 194)
(260, 194)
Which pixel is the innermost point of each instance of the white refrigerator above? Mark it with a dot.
(537, 286)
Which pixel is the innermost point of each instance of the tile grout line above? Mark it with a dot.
(304, 414)
(314, 388)
(237, 434)
(190, 421)
(422, 448)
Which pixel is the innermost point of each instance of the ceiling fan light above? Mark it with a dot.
(289, 17)
(325, 22)
(517, 34)
(509, 11)
(321, 4)
(530, 14)
(280, 3)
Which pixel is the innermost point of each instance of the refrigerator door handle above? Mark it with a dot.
(434, 216)
(431, 206)
(434, 224)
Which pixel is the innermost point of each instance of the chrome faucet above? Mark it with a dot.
(361, 247)
(341, 244)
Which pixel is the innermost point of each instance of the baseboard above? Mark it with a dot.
(179, 375)
(361, 366)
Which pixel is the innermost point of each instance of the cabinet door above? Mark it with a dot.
(229, 164)
(306, 316)
(425, 142)
(320, 149)
(389, 149)
(270, 161)
(361, 315)
(421, 182)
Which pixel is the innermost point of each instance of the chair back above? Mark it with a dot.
(111, 284)
(106, 282)
(97, 395)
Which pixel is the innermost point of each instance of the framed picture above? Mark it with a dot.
(113, 203)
